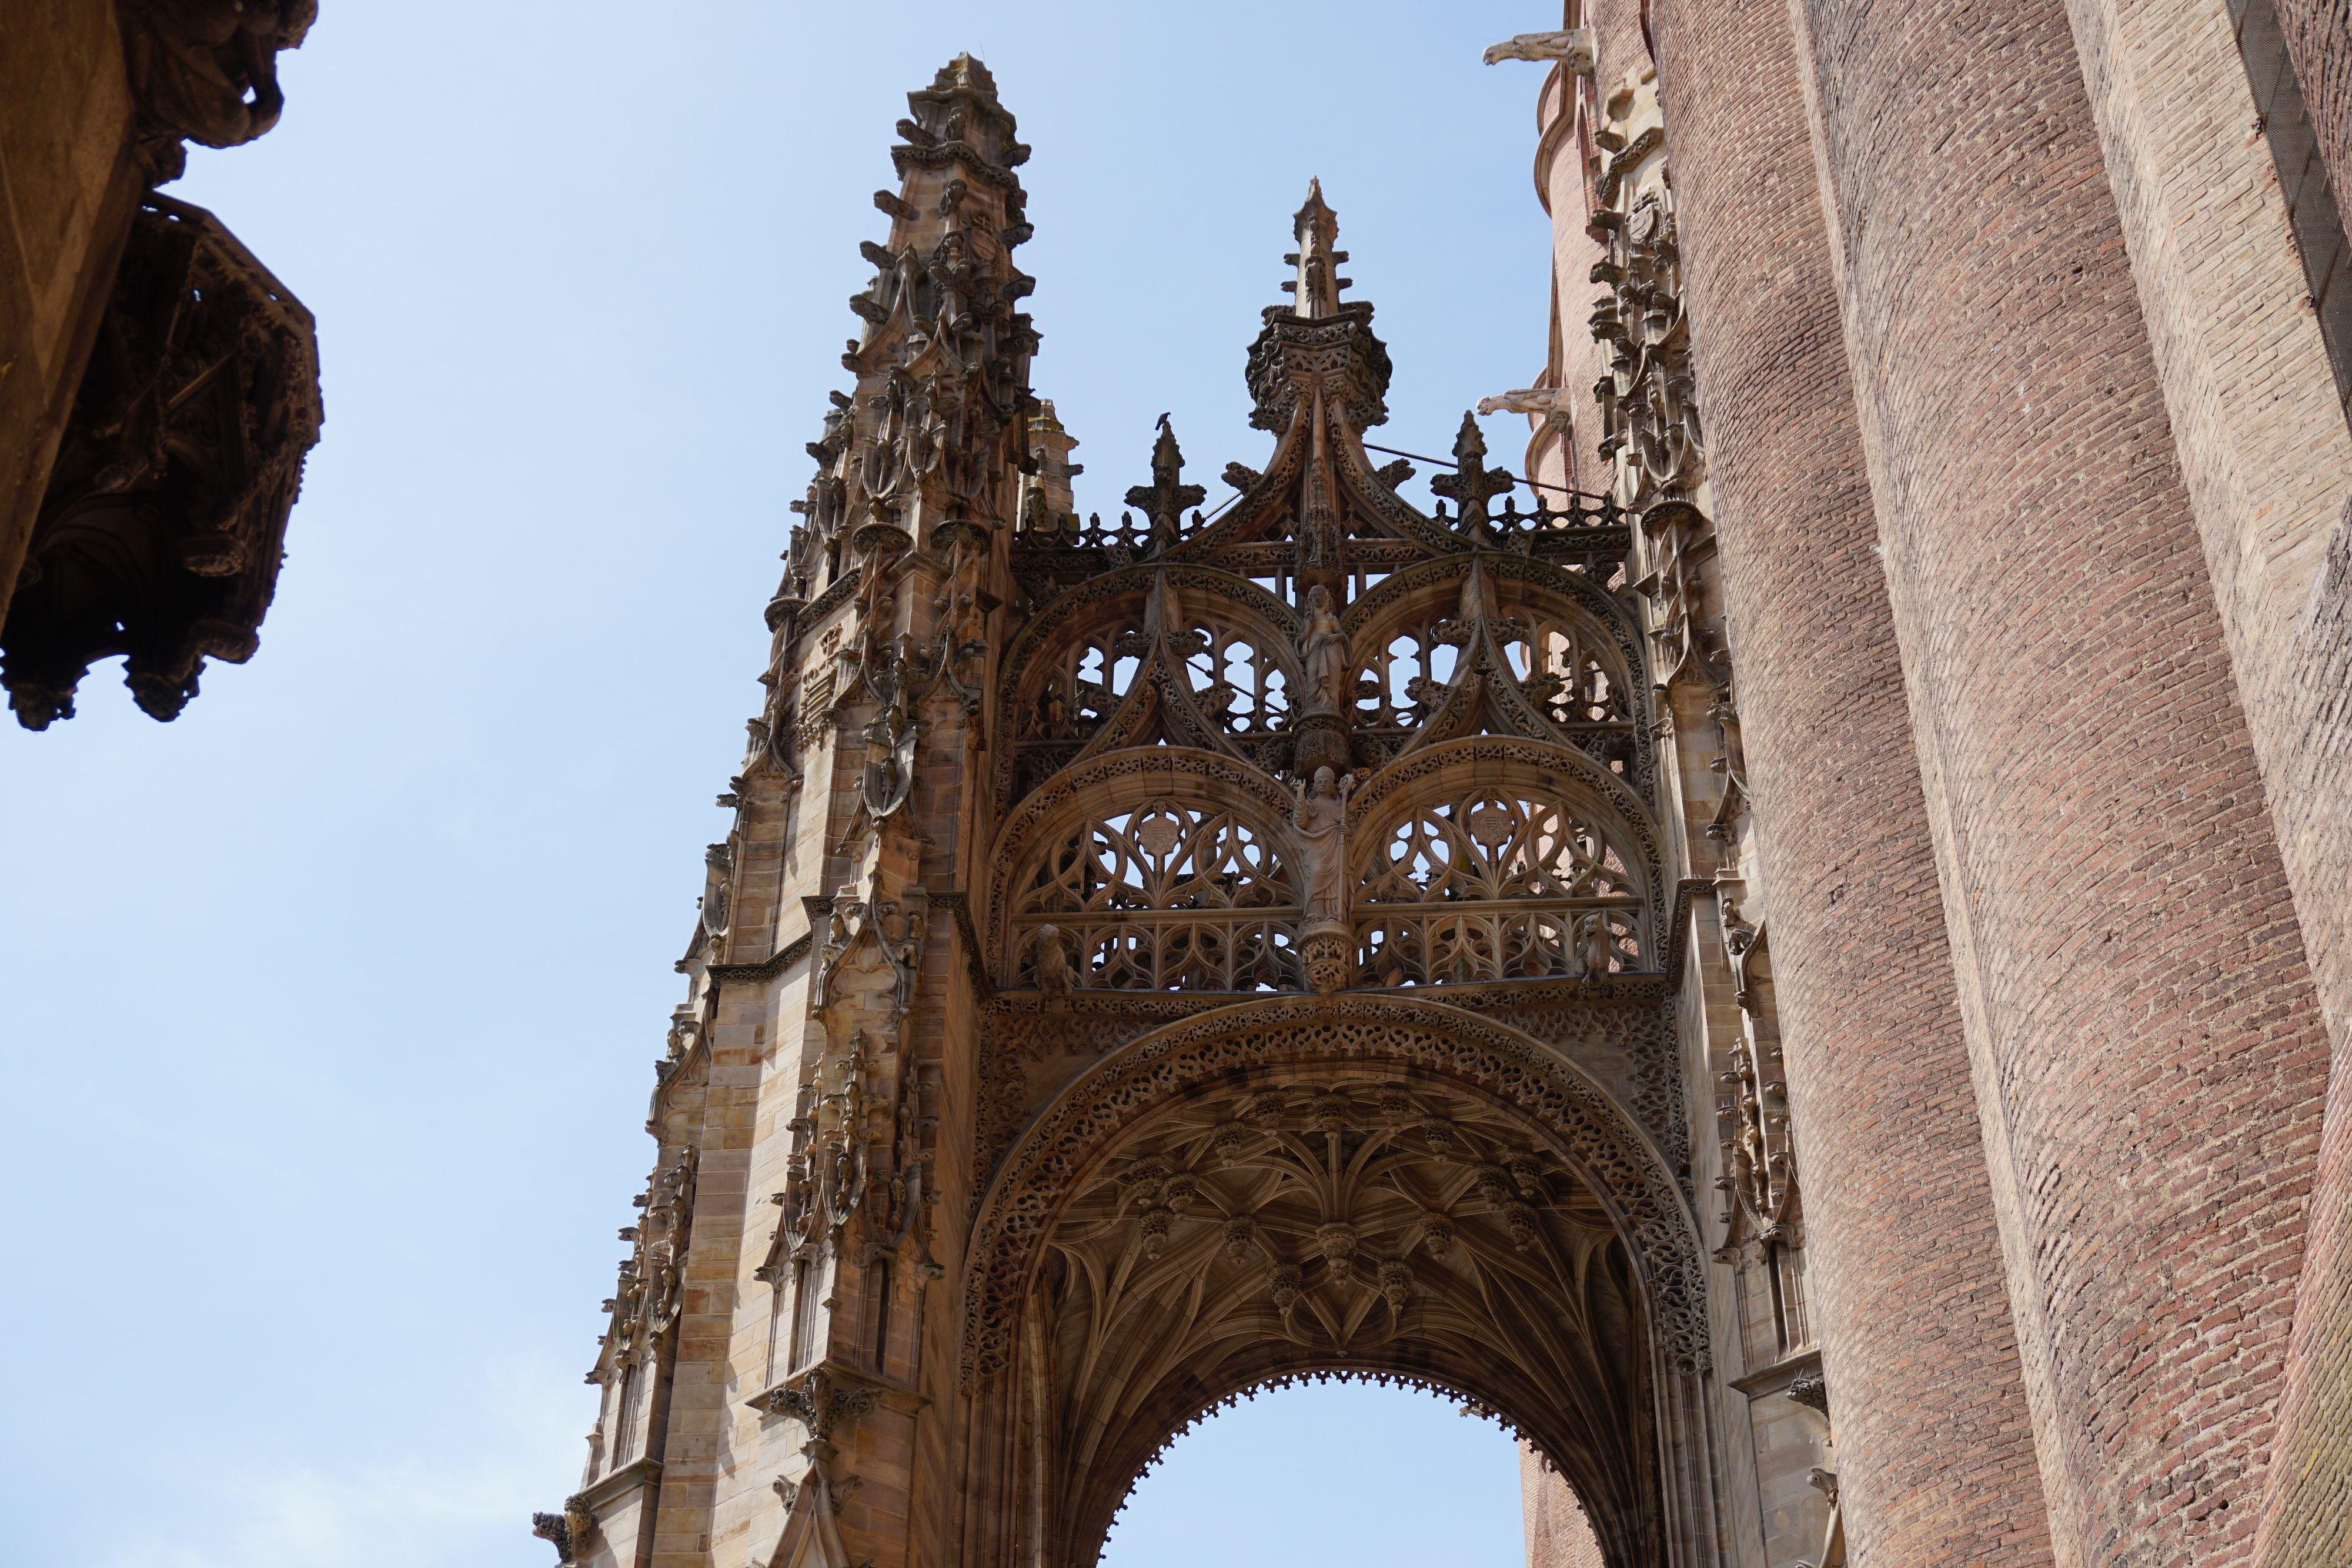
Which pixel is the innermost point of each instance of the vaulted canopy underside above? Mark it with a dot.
(1287, 1186)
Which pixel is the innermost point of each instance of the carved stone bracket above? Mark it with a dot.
(206, 70)
(165, 522)
(820, 1399)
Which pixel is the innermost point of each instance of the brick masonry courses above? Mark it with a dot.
(2198, 154)
(1932, 1429)
(2148, 1052)
(1558, 1535)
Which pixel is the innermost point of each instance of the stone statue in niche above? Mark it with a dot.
(1323, 649)
(1320, 819)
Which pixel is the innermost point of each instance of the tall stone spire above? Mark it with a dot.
(1317, 228)
(892, 597)
(919, 466)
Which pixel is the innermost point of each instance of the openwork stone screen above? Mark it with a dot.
(1521, 887)
(1166, 897)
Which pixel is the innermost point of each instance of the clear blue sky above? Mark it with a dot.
(330, 1008)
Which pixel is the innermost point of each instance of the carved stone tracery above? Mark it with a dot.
(1351, 1183)
(1306, 1009)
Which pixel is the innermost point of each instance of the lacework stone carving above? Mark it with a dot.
(1528, 886)
(1191, 776)
(1492, 757)
(1017, 1031)
(1039, 1178)
(1569, 648)
(1162, 896)
(1639, 1027)
(1311, 1218)
(1338, 357)
(1072, 681)
(1649, 418)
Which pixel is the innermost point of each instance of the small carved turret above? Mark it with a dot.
(1315, 323)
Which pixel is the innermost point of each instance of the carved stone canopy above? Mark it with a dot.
(161, 535)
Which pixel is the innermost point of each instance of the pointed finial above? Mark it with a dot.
(964, 72)
(1472, 484)
(1164, 499)
(1317, 285)
(960, 106)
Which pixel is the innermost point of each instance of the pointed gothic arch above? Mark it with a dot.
(1144, 655)
(1567, 644)
(1085, 1183)
(1376, 1185)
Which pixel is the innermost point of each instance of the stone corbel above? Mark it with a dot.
(821, 1399)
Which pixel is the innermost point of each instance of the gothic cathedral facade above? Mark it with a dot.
(1307, 935)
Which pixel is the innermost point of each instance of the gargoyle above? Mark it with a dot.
(1574, 46)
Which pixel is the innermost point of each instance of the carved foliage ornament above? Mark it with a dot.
(650, 1296)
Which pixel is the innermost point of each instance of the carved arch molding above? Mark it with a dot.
(1373, 1185)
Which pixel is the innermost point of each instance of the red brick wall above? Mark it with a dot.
(2240, 263)
(2148, 1054)
(1930, 1414)
(2319, 41)
(2309, 1515)
(1558, 1535)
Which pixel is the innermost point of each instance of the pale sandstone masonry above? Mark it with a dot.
(1153, 961)
(1107, 906)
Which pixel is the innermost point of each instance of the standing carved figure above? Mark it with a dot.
(1321, 820)
(1323, 649)
(1052, 962)
(1594, 944)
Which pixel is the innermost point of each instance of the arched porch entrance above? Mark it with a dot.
(1375, 1185)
